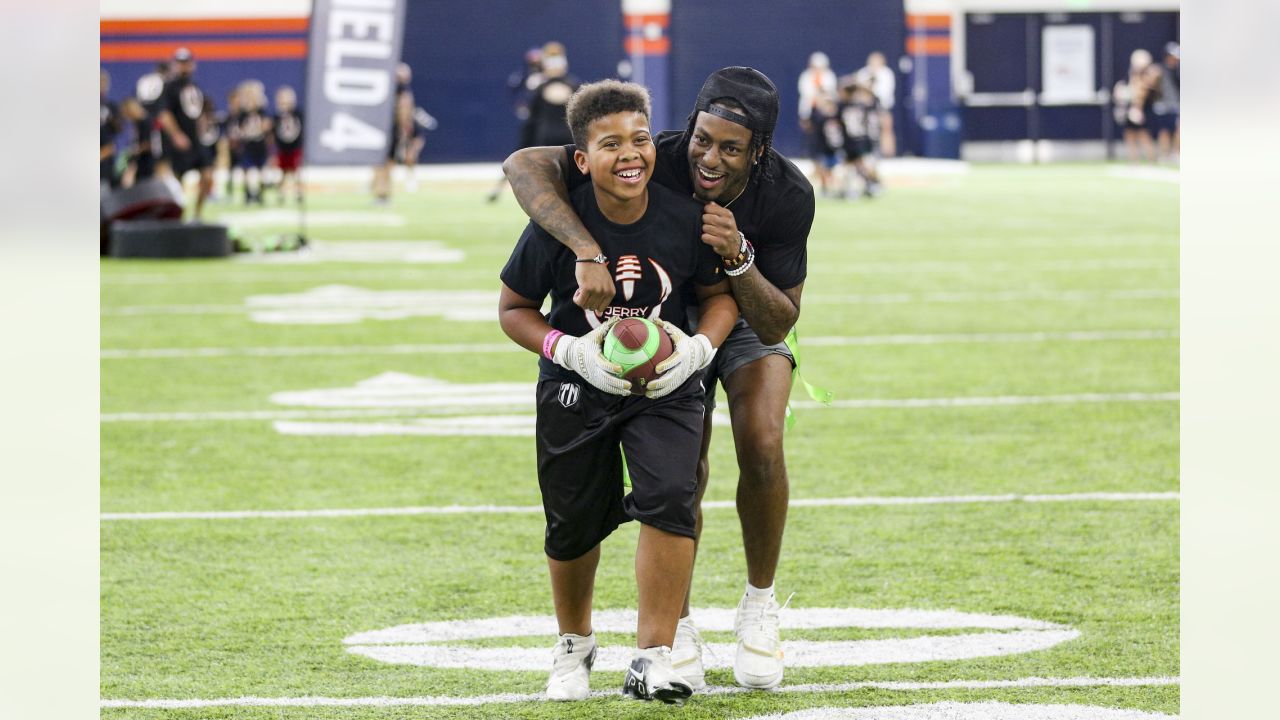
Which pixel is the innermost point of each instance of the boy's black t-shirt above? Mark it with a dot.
(653, 260)
(287, 130)
(251, 127)
(775, 215)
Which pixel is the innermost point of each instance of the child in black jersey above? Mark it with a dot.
(860, 113)
(286, 136)
(253, 126)
(651, 237)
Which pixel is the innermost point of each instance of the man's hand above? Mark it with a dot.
(583, 355)
(691, 355)
(595, 286)
(181, 141)
(720, 230)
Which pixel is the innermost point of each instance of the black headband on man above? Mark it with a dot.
(748, 88)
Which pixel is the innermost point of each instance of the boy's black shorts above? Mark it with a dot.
(579, 433)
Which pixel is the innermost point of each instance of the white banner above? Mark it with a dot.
(351, 80)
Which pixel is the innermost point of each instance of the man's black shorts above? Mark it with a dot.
(580, 431)
(183, 161)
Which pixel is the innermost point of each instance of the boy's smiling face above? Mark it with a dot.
(619, 158)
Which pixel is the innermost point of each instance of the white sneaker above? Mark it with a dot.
(758, 660)
(686, 654)
(651, 677)
(571, 662)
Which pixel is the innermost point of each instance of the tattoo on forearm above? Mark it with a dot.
(548, 206)
(767, 309)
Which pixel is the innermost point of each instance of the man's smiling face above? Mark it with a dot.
(719, 161)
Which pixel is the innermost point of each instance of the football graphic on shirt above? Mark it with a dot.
(639, 346)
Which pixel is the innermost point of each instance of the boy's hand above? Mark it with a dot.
(691, 355)
(583, 355)
(595, 286)
(720, 230)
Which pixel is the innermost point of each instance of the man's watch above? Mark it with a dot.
(599, 259)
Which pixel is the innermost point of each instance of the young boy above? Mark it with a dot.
(286, 135)
(860, 114)
(650, 238)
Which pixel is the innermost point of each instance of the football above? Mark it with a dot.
(638, 345)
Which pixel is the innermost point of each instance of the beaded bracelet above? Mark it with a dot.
(745, 266)
(549, 344)
(746, 255)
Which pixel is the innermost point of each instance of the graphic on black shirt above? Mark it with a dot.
(287, 130)
(652, 259)
(182, 98)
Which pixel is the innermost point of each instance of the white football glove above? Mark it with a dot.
(583, 355)
(690, 355)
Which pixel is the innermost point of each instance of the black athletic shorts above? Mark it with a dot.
(184, 161)
(742, 347)
(856, 147)
(581, 437)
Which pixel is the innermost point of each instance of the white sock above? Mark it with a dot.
(580, 638)
(755, 592)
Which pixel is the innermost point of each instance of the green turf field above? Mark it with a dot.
(1009, 332)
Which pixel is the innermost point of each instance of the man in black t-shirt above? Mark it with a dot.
(758, 212)
(181, 106)
(660, 267)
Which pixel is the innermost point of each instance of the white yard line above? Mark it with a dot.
(209, 352)
(876, 299)
(999, 400)
(458, 348)
(504, 698)
(708, 505)
(996, 297)
(950, 266)
(850, 404)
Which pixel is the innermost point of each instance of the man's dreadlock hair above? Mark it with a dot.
(763, 169)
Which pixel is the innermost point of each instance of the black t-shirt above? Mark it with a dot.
(654, 260)
(547, 111)
(775, 216)
(108, 122)
(251, 128)
(183, 98)
(860, 119)
(287, 130)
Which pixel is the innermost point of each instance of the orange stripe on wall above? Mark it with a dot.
(929, 22)
(228, 50)
(203, 27)
(926, 45)
(635, 21)
(641, 46)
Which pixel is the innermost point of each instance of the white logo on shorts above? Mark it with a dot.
(568, 394)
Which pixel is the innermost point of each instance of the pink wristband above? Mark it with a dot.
(549, 343)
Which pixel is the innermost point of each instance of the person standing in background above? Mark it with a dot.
(286, 134)
(547, 106)
(522, 83)
(181, 105)
(382, 173)
(817, 84)
(109, 126)
(1166, 109)
(253, 127)
(1135, 99)
(878, 76)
